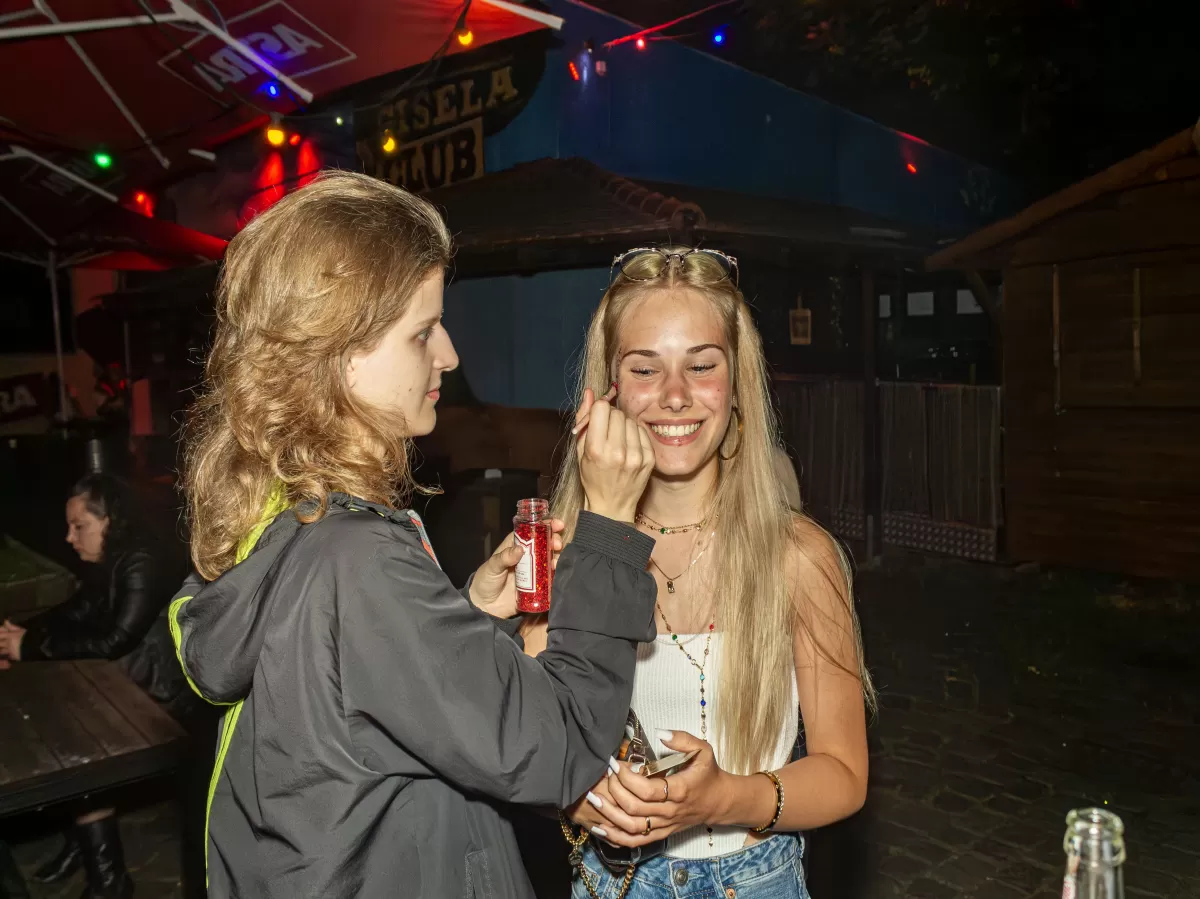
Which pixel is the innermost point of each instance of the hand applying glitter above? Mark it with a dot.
(584, 414)
(615, 458)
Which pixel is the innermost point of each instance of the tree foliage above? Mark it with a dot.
(1021, 83)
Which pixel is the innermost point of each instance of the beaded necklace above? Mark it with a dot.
(699, 666)
(647, 522)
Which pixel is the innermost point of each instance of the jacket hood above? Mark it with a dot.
(219, 627)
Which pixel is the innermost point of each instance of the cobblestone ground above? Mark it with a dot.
(1006, 699)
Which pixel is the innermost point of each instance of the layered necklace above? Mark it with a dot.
(703, 662)
(651, 525)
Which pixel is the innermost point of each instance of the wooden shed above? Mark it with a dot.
(1101, 365)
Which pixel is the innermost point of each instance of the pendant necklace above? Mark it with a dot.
(699, 666)
(671, 580)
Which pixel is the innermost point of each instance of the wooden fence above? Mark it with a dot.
(940, 448)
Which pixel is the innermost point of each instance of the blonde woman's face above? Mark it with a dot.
(674, 377)
(404, 372)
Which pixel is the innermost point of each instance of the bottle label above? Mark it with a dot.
(1070, 880)
(526, 572)
(1070, 887)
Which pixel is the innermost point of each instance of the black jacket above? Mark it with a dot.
(106, 618)
(119, 613)
(376, 716)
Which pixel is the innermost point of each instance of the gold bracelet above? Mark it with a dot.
(778, 802)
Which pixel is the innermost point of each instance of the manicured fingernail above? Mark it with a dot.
(613, 766)
(599, 831)
(664, 736)
(636, 769)
(595, 800)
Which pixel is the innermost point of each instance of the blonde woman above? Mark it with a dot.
(374, 713)
(755, 618)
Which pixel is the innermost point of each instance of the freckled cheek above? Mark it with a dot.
(715, 397)
(634, 398)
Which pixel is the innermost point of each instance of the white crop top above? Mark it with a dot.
(666, 696)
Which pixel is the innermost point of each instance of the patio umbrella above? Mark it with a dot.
(130, 92)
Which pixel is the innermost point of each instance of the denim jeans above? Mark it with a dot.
(767, 870)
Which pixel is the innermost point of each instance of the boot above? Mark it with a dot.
(64, 864)
(104, 861)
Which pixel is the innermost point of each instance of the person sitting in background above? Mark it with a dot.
(107, 618)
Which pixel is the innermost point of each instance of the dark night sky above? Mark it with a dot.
(1047, 90)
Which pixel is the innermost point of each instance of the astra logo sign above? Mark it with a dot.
(276, 32)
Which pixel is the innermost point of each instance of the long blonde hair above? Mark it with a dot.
(757, 605)
(320, 276)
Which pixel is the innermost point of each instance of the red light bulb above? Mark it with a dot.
(640, 43)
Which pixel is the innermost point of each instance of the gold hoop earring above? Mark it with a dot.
(737, 413)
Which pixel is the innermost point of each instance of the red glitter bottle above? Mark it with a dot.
(534, 574)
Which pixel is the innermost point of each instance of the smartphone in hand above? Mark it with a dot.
(668, 764)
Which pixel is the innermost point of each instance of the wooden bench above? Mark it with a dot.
(68, 729)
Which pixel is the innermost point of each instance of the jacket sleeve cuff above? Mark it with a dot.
(615, 539)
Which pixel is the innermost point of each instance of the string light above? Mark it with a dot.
(294, 140)
(102, 160)
(339, 121)
(143, 203)
(272, 89)
(640, 43)
(276, 135)
(574, 70)
(718, 37)
(389, 142)
(462, 31)
(911, 168)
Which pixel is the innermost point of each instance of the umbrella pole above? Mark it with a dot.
(52, 273)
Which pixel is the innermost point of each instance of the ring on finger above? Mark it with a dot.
(666, 790)
(647, 830)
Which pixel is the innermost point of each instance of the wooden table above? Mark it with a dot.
(68, 729)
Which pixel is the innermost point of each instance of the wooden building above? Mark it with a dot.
(1101, 365)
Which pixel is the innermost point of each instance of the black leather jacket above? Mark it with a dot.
(105, 619)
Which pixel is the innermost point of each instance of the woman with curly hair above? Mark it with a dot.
(376, 716)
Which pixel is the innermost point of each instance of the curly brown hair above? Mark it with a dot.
(318, 277)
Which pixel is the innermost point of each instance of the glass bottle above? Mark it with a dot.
(1095, 847)
(534, 576)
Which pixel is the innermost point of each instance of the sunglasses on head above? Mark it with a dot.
(648, 263)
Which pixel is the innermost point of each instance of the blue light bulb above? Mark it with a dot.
(719, 37)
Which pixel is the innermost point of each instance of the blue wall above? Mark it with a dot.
(671, 113)
(518, 336)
